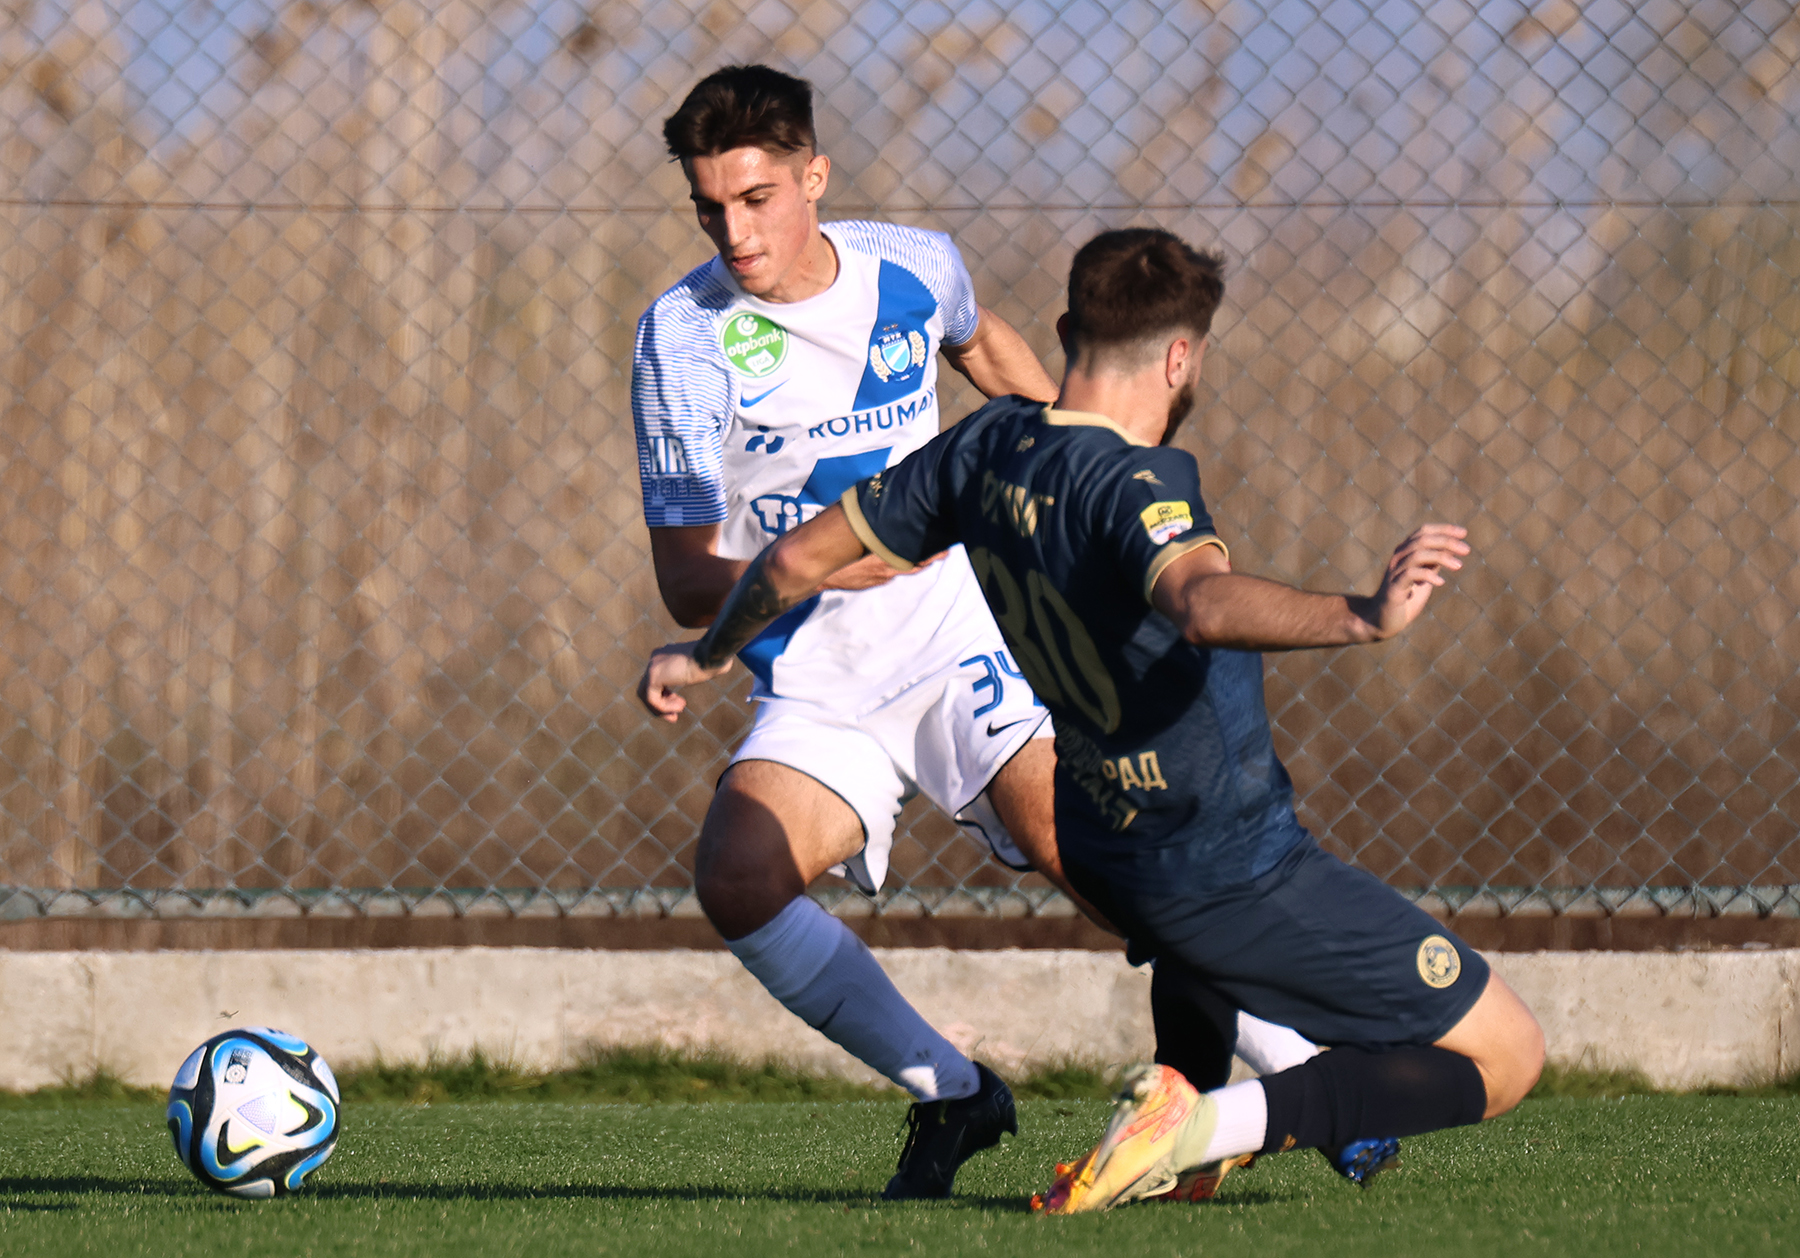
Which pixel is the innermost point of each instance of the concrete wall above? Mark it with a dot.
(1682, 1018)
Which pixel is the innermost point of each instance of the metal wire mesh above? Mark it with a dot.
(324, 578)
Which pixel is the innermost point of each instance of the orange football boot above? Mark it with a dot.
(1156, 1109)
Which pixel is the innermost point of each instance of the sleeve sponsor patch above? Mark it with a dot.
(1164, 521)
(668, 456)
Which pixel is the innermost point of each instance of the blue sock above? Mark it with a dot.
(812, 963)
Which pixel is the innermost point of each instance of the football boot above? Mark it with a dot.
(1202, 1182)
(942, 1135)
(1156, 1111)
(1362, 1160)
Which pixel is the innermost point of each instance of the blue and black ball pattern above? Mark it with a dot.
(253, 1112)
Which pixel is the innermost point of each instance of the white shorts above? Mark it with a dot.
(945, 735)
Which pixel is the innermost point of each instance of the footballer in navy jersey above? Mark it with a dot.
(1099, 559)
(1165, 761)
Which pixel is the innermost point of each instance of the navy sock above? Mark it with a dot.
(1353, 1094)
(1196, 1025)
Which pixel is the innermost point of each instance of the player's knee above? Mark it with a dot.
(739, 899)
(737, 908)
(1502, 1037)
(1528, 1061)
(738, 892)
(1514, 1062)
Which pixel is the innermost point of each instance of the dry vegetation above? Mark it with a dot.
(323, 565)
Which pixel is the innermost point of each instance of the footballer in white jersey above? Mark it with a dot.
(756, 415)
(764, 384)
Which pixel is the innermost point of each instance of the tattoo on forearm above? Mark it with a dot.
(751, 605)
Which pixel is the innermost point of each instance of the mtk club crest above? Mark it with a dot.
(894, 353)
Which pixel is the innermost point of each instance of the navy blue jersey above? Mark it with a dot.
(1165, 765)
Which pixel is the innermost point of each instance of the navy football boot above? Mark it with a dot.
(942, 1135)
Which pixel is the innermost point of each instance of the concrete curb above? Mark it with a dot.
(1684, 1019)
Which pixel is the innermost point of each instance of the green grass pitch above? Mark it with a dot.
(1675, 1175)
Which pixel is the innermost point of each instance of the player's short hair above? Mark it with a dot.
(743, 107)
(1131, 286)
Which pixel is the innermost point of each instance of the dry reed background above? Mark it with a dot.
(325, 581)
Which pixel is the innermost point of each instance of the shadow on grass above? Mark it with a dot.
(91, 1184)
(629, 1075)
(88, 1185)
(623, 1192)
(655, 1075)
(1256, 1197)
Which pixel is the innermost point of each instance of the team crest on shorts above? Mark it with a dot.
(895, 354)
(753, 345)
(1439, 963)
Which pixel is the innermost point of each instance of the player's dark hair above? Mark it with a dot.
(742, 107)
(1127, 286)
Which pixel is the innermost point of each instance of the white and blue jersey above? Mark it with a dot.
(757, 415)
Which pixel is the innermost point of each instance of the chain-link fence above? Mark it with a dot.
(325, 580)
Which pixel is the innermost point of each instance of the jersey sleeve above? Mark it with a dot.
(957, 301)
(933, 257)
(680, 405)
(1158, 515)
(908, 512)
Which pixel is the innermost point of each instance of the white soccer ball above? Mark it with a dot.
(253, 1112)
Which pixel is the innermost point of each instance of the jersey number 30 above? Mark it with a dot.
(1047, 637)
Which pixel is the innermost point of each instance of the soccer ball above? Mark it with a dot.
(253, 1112)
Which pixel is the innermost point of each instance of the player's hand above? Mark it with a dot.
(1416, 568)
(672, 667)
(870, 571)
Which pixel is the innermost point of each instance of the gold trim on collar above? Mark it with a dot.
(1086, 419)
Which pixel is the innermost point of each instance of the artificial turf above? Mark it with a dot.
(1676, 1175)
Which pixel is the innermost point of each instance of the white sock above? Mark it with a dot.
(1243, 1123)
(1269, 1049)
(812, 963)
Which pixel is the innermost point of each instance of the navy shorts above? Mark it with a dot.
(1313, 944)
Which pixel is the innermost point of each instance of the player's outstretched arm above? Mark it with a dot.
(789, 571)
(694, 580)
(1218, 607)
(998, 361)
